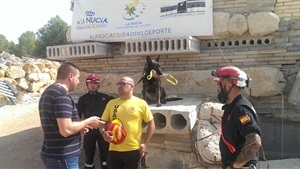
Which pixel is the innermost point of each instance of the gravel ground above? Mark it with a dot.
(21, 139)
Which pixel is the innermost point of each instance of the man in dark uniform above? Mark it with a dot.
(90, 104)
(240, 138)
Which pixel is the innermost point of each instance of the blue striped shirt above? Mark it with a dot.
(56, 103)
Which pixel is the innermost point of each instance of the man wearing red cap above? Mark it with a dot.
(93, 104)
(240, 134)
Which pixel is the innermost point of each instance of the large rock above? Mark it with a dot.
(262, 23)
(221, 20)
(31, 68)
(238, 25)
(208, 132)
(266, 81)
(15, 72)
(2, 73)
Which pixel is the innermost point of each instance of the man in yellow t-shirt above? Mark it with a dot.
(130, 111)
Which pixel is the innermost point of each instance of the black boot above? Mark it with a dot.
(104, 165)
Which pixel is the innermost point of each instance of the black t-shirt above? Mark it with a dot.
(92, 104)
(238, 120)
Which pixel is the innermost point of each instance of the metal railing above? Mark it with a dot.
(8, 90)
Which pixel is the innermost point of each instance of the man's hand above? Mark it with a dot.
(231, 166)
(142, 150)
(86, 129)
(95, 122)
(107, 136)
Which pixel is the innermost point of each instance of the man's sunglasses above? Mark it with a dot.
(123, 83)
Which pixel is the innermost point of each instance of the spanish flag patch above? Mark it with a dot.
(245, 119)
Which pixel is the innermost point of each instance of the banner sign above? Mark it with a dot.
(122, 20)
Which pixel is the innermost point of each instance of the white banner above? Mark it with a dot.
(121, 20)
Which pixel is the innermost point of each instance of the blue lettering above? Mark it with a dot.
(93, 20)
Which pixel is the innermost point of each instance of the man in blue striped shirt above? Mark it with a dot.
(60, 121)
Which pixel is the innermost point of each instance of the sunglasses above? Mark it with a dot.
(123, 83)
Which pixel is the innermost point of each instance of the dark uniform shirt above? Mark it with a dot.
(238, 120)
(92, 104)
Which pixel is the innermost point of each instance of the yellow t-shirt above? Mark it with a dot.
(131, 113)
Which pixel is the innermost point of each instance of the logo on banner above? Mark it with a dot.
(91, 18)
(133, 10)
(184, 8)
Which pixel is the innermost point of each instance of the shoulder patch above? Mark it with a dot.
(245, 119)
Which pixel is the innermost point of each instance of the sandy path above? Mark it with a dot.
(21, 137)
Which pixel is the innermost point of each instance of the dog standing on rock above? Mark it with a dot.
(152, 91)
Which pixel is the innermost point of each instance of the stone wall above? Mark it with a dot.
(246, 34)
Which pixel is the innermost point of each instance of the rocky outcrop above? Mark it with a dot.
(257, 24)
(27, 75)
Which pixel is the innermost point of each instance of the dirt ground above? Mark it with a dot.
(21, 140)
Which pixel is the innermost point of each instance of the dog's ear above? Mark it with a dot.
(157, 59)
(149, 60)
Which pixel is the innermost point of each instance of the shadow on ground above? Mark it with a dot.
(22, 150)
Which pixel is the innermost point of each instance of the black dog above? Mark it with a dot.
(152, 91)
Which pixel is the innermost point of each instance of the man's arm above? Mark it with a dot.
(150, 131)
(148, 136)
(249, 150)
(68, 127)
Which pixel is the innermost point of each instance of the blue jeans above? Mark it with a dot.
(69, 163)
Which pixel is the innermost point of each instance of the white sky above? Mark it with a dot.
(19, 16)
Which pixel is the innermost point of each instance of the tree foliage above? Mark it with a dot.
(14, 49)
(4, 44)
(9, 47)
(53, 33)
(27, 44)
(34, 44)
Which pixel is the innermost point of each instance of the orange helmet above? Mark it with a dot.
(238, 77)
(117, 131)
(92, 78)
